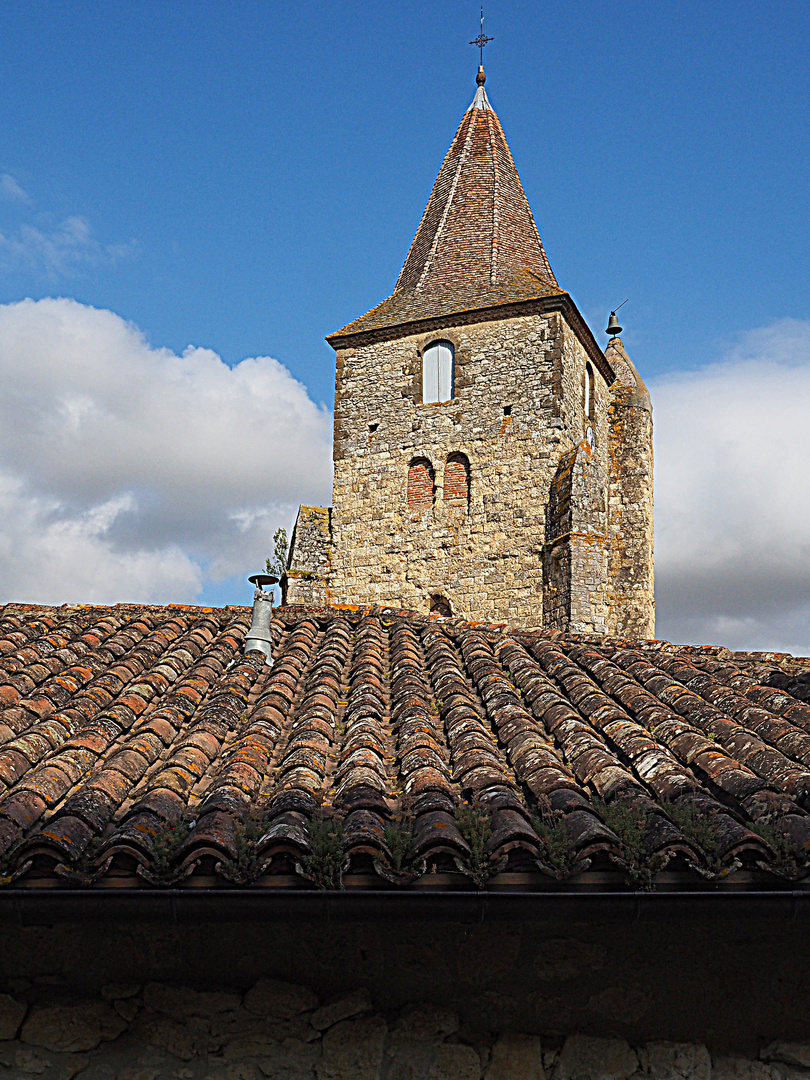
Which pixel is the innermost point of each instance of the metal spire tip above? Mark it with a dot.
(481, 41)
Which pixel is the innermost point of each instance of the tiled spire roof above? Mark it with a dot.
(477, 244)
(477, 227)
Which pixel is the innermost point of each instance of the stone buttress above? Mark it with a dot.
(307, 576)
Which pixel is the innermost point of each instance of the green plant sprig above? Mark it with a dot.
(324, 864)
(475, 825)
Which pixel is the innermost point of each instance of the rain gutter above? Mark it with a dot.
(181, 907)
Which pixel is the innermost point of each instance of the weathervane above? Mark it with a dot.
(481, 41)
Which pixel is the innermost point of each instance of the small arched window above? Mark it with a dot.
(420, 484)
(440, 605)
(457, 480)
(590, 397)
(437, 373)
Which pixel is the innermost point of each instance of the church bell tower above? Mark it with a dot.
(491, 460)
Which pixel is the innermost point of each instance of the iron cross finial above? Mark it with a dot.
(481, 40)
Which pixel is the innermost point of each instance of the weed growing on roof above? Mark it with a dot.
(556, 857)
(697, 828)
(475, 825)
(400, 841)
(246, 866)
(402, 867)
(166, 842)
(788, 861)
(325, 862)
(630, 823)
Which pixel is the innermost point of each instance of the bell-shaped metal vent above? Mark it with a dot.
(259, 637)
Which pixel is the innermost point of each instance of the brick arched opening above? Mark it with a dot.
(421, 484)
(457, 480)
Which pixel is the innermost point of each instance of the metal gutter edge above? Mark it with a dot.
(27, 907)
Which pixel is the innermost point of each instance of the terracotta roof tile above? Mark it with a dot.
(384, 746)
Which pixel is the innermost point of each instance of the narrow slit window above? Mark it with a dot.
(437, 373)
(589, 402)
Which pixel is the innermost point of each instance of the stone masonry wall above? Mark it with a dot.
(518, 408)
(310, 557)
(283, 1031)
(587, 540)
(557, 549)
(630, 502)
(719, 993)
(576, 553)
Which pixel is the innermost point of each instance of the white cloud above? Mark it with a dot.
(11, 189)
(53, 251)
(732, 506)
(58, 252)
(131, 473)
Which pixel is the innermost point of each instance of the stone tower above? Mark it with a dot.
(491, 461)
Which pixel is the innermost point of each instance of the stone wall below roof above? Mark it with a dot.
(191, 993)
(285, 1031)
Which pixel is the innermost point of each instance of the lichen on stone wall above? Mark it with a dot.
(310, 558)
(509, 501)
(630, 500)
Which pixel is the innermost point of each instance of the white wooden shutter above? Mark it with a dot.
(445, 351)
(430, 375)
(437, 373)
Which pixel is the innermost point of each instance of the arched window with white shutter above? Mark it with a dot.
(437, 373)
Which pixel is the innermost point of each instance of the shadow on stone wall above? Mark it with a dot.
(281, 1030)
(407, 999)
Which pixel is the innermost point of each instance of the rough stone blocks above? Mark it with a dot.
(509, 502)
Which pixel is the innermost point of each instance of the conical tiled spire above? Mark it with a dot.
(477, 226)
(477, 244)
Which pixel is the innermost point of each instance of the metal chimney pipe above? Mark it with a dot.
(259, 638)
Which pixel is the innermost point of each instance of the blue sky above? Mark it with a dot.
(268, 163)
(246, 177)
